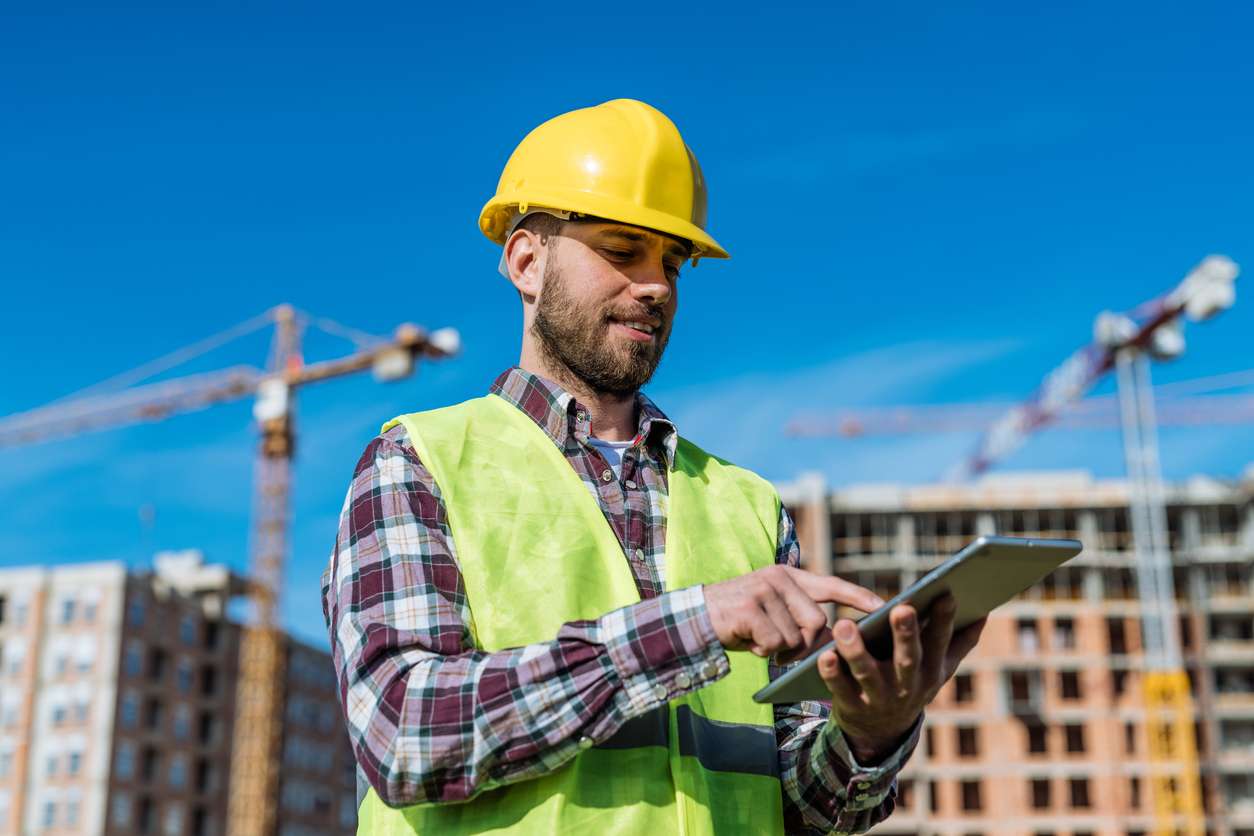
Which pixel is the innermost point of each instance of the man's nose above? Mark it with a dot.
(651, 285)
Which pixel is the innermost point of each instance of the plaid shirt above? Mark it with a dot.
(433, 718)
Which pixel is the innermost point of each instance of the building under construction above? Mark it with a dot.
(1043, 731)
(117, 706)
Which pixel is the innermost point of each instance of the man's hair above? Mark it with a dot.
(542, 224)
(548, 226)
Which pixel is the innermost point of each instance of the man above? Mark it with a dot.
(549, 611)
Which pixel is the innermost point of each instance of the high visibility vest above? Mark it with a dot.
(535, 551)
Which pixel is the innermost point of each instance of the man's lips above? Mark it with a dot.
(638, 330)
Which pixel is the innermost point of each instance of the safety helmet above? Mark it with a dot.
(621, 161)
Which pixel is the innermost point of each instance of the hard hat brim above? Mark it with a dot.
(497, 212)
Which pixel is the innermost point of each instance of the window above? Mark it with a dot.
(74, 762)
(933, 797)
(1040, 793)
(1079, 792)
(968, 742)
(124, 761)
(3, 600)
(1037, 739)
(1069, 684)
(50, 767)
(1116, 637)
(187, 629)
(212, 632)
(178, 771)
(1118, 682)
(1029, 638)
(67, 610)
(1134, 792)
(131, 710)
(208, 680)
(1075, 737)
(60, 712)
(964, 688)
(182, 722)
(207, 730)
(135, 617)
(50, 813)
(120, 812)
(153, 712)
(929, 742)
(1129, 738)
(81, 708)
(971, 795)
(145, 815)
(1064, 634)
(204, 776)
(173, 820)
(156, 664)
(133, 662)
(183, 676)
(6, 762)
(200, 820)
(151, 764)
(89, 611)
(905, 795)
(71, 812)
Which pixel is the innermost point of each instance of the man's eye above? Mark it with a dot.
(618, 254)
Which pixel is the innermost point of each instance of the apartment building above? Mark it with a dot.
(117, 693)
(1042, 733)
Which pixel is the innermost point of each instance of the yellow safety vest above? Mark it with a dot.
(535, 551)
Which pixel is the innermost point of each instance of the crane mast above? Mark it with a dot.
(259, 697)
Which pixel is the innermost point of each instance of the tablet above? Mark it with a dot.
(986, 574)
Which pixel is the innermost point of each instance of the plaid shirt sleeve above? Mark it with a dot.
(430, 717)
(825, 788)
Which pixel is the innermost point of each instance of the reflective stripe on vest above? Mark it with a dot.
(536, 551)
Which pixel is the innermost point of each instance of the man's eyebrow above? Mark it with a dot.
(672, 246)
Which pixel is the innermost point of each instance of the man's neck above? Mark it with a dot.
(613, 416)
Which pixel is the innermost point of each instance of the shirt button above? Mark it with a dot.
(709, 670)
(585, 742)
(631, 484)
(638, 554)
(660, 692)
(607, 475)
(683, 680)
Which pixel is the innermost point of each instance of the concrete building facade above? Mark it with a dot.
(1042, 733)
(117, 692)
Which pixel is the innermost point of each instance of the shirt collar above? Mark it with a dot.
(561, 416)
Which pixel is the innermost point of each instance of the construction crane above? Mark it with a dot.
(255, 753)
(1088, 414)
(1125, 343)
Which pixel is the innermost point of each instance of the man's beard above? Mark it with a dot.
(576, 337)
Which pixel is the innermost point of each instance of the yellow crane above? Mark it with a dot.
(255, 752)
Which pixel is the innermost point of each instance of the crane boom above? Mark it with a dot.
(1090, 413)
(1151, 326)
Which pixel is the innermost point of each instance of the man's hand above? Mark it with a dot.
(776, 610)
(876, 702)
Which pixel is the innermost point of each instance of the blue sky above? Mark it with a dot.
(924, 204)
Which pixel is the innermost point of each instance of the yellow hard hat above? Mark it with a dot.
(622, 161)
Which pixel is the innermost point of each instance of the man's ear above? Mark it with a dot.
(524, 257)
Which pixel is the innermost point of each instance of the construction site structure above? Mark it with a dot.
(1045, 730)
(253, 796)
(117, 706)
(1125, 342)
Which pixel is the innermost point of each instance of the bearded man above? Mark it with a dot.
(549, 611)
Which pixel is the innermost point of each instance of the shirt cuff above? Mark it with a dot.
(663, 648)
(867, 786)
